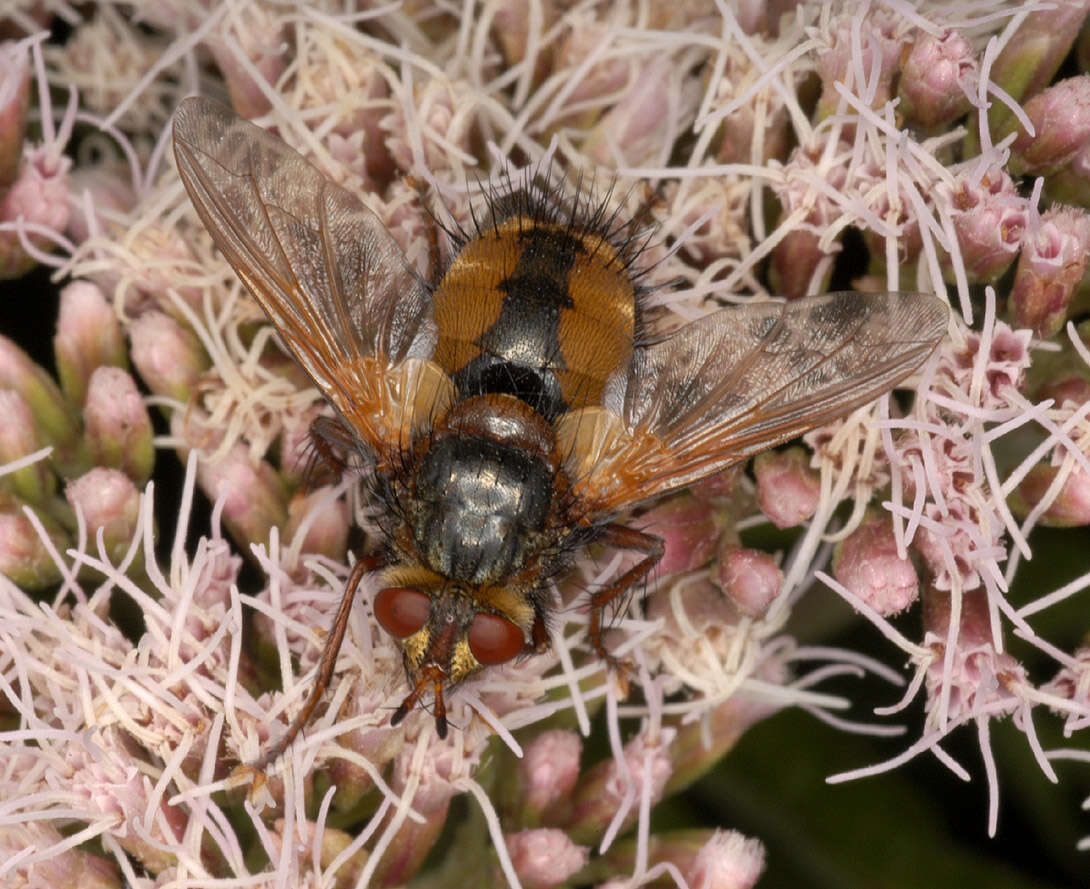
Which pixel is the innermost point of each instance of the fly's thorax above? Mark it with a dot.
(483, 491)
(537, 309)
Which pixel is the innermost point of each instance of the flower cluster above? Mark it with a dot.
(160, 626)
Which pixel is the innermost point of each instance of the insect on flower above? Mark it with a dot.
(514, 409)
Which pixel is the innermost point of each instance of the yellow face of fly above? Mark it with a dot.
(449, 631)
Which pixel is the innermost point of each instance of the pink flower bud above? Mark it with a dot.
(866, 562)
(688, 529)
(738, 131)
(378, 744)
(409, 224)
(728, 860)
(1032, 56)
(326, 519)
(1004, 368)
(88, 336)
(332, 843)
(935, 76)
(39, 195)
(718, 486)
(67, 869)
(1061, 122)
(100, 193)
(1071, 388)
(593, 805)
(797, 256)
(151, 266)
(641, 128)
(1069, 683)
(254, 499)
(549, 768)
(258, 35)
(979, 678)
(700, 745)
(545, 857)
(607, 77)
(794, 260)
(445, 108)
(763, 16)
(695, 605)
(19, 438)
(787, 488)
(1071, 506)
(721, 233)
(411, 844)
(219, 572)
(14, 101)
(739, 139)
(900, 215)
(117, 427)
(169, 357)
(975, 627)
(512, 26)
(989, 219)
(712, 859)
(749, 578)
(349, 80)
(24, 558)
(107, 782)
(108, 501)
(52, 414)
(880, 42)
(950, 551)
(1050, 270)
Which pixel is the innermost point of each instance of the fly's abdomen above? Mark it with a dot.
(536, 310)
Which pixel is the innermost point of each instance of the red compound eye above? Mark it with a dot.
(494, 640)
(402, 611)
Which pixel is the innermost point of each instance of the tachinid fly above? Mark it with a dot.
(515, 408)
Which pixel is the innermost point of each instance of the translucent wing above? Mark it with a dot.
(322, 266)
(739, 381)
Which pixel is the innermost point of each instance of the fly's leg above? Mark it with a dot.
(329, 659)
(420, 186)
(621, 537)
(330, 442)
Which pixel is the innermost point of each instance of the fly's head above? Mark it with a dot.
(448, 631)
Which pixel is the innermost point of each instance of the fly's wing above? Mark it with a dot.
(322, 266)
(739, 381)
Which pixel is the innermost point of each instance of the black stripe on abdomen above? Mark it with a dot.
(520, 352)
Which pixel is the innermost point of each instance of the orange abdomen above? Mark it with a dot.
(536, 310)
